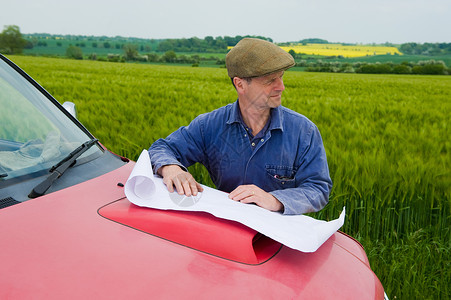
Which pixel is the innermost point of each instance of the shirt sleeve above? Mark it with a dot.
(313, 183)
(183, 147)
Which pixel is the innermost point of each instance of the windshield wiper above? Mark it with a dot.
(59, 169)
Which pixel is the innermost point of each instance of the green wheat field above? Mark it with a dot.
(387, 139)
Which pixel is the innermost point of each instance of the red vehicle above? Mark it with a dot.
(68, 231)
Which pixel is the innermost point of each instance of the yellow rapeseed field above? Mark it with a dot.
(341, 50)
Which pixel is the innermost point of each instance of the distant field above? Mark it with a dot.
(386, 138)
(102, 46)
(342, 50)
(54, 46)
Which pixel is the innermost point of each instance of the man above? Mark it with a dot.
(255, 149)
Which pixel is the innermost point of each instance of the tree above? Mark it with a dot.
(29, 45)
(130, 51)
(210, 40)
(153, 57)
(11, 41)
(165, 46)
(74, 52)
(169, 56)
(402, 69)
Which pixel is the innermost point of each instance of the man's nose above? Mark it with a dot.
(279, 84)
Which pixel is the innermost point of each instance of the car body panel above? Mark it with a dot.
(64, 249)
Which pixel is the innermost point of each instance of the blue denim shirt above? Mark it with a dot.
(289, 161)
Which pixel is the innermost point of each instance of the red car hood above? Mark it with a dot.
(59, 247)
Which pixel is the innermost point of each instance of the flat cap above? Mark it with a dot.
(255, 57)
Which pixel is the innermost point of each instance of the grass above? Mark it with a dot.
(386, 138)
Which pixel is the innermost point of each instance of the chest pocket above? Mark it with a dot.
(281, 176)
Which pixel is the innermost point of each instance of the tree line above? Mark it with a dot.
(208, 44)
(13, 42)
(432, 49)
(426, 67)
(167, 57)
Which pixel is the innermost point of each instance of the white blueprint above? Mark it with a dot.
(298, 232)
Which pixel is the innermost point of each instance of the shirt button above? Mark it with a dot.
(283, 182)
(245, 135)
(262, 140)
(253, 144)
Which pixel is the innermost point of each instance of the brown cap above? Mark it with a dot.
(254, 58)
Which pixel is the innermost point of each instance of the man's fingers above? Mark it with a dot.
(193, 186)
(236, 193)
(169, 184)
(248, 200)
(178, 185)
(176, 179)
(187, 187)
(186, 184)
(253, 194)
(242, 192)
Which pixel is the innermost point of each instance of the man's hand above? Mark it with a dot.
(253, 194)
(184, 182)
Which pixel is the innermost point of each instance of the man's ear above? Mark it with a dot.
(239, 84)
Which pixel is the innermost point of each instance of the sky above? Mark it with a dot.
(345, 21)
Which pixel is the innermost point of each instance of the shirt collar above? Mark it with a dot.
(276, 116)
(234, 113)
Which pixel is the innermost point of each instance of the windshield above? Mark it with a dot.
(34, 133)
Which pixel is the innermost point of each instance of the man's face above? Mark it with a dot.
(266, 91)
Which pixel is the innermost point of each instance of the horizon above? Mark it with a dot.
(347, 21)
(160, 39)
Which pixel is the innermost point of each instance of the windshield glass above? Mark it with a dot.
(34, 133)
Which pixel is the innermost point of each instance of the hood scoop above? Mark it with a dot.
(197, 230)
